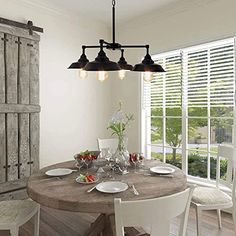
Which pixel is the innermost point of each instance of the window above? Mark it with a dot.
(189, 110)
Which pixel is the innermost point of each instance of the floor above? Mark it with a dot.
(60, 223)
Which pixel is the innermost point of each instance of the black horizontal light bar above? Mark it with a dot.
(102, 62)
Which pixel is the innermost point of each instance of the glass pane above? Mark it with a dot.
(174, 156)
(173, 132)
(221, 111)
(213, 166)
(221, 131)
(174, 111)
(158, 111)
(157, 130)
(157, 153)
(223, 167)
(197, 134)
(197, 111)
(197, 163)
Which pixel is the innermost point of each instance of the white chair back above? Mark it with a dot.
(111, 143)
(153, 213)
(228, 153)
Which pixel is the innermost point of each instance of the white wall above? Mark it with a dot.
(74, 112)
(180, 25)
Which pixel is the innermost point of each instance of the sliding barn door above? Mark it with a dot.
(19, 105)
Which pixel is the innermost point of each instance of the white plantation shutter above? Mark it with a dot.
(165, 88)
(208, 72)
(197, 78)
(222, 82)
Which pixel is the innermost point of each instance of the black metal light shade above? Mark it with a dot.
(80, 63)
(123, 63)
(148, 65)
(102, 63)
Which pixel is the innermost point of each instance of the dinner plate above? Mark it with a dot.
(112, 187)
(78, 180)
(59, 172)
(162, 170)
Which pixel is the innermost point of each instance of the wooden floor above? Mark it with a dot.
(60, 223)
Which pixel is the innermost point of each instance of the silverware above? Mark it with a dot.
(135, 190)
(91, 189)
(167, 176)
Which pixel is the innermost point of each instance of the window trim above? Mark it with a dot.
(144, 146)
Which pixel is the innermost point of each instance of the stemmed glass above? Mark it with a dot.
(134, 159)
(140, 158)
(107, 153)
(79, 163)
(87, 161)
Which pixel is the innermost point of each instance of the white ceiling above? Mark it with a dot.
(101, 9)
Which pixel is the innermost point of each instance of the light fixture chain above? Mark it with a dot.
(113, 3)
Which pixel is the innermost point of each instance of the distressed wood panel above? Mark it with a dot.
(19, 108)
(23, 98)
(12, 118)
(34, 99)
(2, 116)
(19, 32)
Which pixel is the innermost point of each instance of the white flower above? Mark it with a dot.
(118, 117)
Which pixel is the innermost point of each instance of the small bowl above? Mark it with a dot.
(95, 153)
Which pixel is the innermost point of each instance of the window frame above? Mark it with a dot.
(146, 113)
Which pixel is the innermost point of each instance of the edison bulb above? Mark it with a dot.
(102, 75)
(148, 76)
(83, 74)
(121, 74)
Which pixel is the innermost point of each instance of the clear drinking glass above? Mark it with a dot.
(87, 162)
(141, 160)
(79, 163)
(134, 160)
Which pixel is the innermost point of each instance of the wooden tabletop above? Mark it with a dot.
(67, 194)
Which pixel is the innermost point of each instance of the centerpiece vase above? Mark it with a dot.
(122, 154)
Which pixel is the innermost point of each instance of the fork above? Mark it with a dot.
(135, 190)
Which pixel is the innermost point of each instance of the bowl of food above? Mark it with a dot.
(86, 179)
(85, 158)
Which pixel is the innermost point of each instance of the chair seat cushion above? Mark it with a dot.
(210, 196)
(15, 210)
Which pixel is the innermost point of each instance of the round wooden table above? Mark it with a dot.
(66, 194)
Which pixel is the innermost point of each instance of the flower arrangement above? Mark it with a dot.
(118, 125)
(119, 122)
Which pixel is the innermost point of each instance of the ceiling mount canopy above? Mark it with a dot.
(102, 64)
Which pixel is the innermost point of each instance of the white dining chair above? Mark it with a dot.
(153, 213)
(206, 198)
(109, 143)
(15, 213)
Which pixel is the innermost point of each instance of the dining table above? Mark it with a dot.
(65, 193)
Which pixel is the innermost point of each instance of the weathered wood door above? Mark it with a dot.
(19, 105)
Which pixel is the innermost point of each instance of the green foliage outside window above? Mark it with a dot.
(197, 164)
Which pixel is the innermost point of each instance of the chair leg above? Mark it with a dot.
(198, 219)
(14, 231)
(36, 223)
(234, 220)
(219, 218)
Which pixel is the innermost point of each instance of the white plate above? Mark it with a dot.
(112, 187)
(162, 170)
(82, 182)
(59, 172)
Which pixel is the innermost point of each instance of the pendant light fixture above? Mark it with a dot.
(102, 64)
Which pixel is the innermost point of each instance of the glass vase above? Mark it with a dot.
(122, 154)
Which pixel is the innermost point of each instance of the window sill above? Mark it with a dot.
(206, 183)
